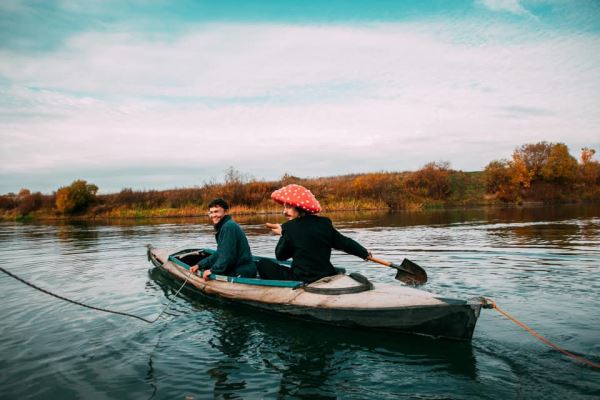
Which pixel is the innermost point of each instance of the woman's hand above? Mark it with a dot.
(275, 228)
(193, 269)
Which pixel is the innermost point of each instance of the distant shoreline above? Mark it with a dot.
(538, 174)
(160, 214)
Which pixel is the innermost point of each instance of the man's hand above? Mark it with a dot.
(275, 228)
(193, 270)
(206, 274)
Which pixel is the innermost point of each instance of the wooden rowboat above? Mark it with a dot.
(342, 300)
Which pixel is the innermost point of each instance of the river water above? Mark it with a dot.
(542, 265)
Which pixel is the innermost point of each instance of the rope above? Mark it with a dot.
(92, 307)
(486, 301)
(176, 294)
(538, 336)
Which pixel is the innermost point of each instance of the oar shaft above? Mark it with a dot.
(391, 265)
(378, 261)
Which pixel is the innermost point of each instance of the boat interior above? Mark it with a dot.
(191, 257)
(188, 257)
(194, 256)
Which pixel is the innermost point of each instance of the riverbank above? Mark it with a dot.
(536, 175)
(247, 212)
(194, 212)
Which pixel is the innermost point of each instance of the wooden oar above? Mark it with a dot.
(407, 272)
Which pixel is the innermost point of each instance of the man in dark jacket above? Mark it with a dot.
(306, 238)
(233, 256)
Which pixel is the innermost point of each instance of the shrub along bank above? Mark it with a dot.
(541, 172)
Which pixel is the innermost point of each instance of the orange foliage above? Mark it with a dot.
(560, 166)
(432, 180)
(542, 171)
(533, 157)
(587, 154)
(589, 170)
(499, 180)
(8, 201)
(28, 202)
(521, 174)
(75, 197)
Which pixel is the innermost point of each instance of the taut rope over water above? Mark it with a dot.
(97, 308)
(491, 302)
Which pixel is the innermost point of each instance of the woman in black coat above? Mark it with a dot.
(306, 238)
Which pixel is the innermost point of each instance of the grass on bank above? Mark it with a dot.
(537, 173)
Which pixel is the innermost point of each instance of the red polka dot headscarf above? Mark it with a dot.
(297, 196)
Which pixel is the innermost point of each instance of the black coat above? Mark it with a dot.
(233, 256)
(309, 240)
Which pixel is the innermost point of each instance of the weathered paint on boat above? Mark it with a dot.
(391, 307)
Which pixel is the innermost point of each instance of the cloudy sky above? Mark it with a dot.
(163, 94)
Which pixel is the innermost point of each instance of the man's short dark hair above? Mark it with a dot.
(218, 203)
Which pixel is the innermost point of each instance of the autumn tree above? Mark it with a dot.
(521, 171)
(288, 179)
(536, 171)
(126, 197)
(8, 201)
(586, 155)
(543, 161)
(497, 176)
(532, 158)
(432, 180)
(559, 167)
(235, 185)
(28, 202)
(75, 197)
(589, 170)
(374, 185)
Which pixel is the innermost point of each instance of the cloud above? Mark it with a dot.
(309, 100)
(511, 6)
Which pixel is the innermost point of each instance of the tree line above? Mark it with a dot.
(540, 172)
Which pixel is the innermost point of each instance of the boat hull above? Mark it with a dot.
(392, 308)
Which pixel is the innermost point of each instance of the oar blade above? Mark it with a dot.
(410, 273)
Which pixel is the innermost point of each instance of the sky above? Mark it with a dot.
(170, 94)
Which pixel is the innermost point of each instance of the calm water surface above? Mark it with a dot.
(541, 265)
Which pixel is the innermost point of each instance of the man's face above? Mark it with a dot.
(290, 212)
(215, 214)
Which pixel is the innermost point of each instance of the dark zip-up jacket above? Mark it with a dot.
(309, 240)
(233, 256)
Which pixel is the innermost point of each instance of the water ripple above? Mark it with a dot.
(545, 272)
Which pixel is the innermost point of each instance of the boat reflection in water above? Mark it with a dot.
(342, 300)
(307, 358)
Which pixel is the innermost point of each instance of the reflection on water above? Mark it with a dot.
(78, 235)
(309, 359)
(540, 264)
(365, 218)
